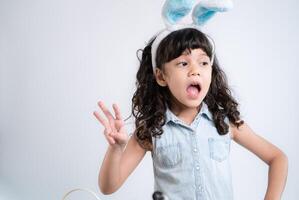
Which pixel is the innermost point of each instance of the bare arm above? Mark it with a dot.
(118, 165)
(269, 153)
(122, 156)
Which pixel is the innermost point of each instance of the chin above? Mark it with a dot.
(194, 103)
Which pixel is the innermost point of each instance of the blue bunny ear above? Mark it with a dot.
(174, 10)
(206, 9)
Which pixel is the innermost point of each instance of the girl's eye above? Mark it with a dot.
(182, 64)
(204, 63)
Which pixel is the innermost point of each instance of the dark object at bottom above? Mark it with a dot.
(158, 196)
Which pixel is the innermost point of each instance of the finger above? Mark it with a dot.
(107, 130)
(108, 115)
(119, 124)
(120, 137)
(102, 121)
(117, 111)
(110, 139)
(105, 110)
(109, 136)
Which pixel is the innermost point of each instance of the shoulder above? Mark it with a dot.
(234, 130)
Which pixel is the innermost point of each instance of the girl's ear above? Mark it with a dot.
(160, 78)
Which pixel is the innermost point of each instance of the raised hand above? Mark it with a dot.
(114, 132)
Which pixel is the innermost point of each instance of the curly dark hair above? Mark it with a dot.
(150, 100)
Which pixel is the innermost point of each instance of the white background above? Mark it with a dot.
(59, 57)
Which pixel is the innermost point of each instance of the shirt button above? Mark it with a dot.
(195, 150)
(197, 167)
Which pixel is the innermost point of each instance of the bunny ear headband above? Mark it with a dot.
(174, 10)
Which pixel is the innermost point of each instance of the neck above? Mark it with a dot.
(186, 114)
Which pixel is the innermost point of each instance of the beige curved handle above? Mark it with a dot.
(81, 189)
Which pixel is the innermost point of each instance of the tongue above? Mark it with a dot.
(192, 91)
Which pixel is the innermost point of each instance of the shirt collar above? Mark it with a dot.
(203, 111)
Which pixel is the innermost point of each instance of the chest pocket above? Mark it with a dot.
(168, 156)
(219, 148)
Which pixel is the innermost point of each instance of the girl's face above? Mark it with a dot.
(184, 71)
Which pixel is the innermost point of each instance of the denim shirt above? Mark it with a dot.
(192, 161)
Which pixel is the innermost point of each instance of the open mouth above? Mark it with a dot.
(196, 86)
(193, 90)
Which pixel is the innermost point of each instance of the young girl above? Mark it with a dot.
(186, 117)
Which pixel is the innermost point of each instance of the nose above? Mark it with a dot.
(194, 70)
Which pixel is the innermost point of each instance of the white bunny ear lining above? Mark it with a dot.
(174, 10)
